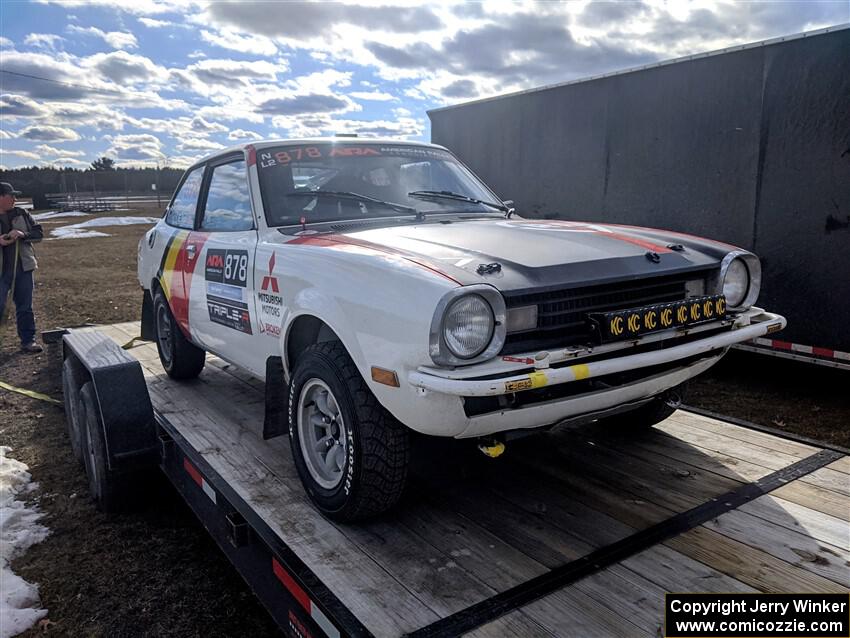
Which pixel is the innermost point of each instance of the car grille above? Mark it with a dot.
(562, 313)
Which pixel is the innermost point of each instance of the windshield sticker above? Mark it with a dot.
(289, 154)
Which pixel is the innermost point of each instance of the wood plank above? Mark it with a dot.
(513, 625)
(796, 548)
(807, 521)
(574, 613)
(662, 483)
(816, 498)
(627, 595)
(763, 439)
(659, 444)
(481, 553)
(826, 477)
(676, 572)
(841, 465)
(751, 566)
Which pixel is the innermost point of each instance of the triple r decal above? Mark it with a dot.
(226, 274)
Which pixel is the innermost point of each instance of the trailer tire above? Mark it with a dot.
(180, 358)
(109, 489)
(374, 446)
(73, 375)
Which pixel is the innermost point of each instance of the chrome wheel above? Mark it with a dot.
(322, 433)
(163, 332)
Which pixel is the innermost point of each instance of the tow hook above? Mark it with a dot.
(492, 448)
(673, 398)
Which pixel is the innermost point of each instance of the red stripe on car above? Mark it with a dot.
(339, 240)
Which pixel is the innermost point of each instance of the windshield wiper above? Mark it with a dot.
(355, 196)
(456, 197)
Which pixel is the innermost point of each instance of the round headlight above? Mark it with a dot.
(468, 326)
(737, 283)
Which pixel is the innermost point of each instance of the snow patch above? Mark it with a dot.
(54, 214)
(20, 606)
(81, 229)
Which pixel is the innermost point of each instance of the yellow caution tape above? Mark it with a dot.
(29, 393)
(132, 343)
(538, 379)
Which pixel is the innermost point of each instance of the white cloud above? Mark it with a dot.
(20, 153)
(6, 43)
(242, 135)
(380, 96)
(20, 106)
(46, 133)
(135, 7)
(5, 135)
(200, 125)
(43, 40)
(153, 23)
(251, 44)
(44, 149)
(199, 144)
(122, 67)
(135, 148)
(115, 39)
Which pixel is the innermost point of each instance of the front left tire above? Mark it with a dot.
(351, 454)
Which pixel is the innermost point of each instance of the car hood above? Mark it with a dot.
(535, 253)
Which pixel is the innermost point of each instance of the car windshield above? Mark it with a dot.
(333, 182)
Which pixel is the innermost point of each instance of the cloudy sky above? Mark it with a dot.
(162, 81)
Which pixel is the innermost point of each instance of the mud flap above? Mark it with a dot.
(148, 332)
(276, 420)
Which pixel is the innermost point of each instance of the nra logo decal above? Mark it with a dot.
(227, 267)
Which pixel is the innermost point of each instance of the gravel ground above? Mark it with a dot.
(157, 572)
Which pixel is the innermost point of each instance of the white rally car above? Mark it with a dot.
(379, 286)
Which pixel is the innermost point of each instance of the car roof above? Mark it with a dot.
(359, 141)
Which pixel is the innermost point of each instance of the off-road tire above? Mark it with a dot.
(73, 375)
(186, 360)
(111, 491)
(378, 451)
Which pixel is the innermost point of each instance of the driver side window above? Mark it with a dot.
(181, 213)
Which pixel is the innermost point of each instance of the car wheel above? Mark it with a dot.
(351, 454)
(649, 414)
(180, 358)
(110, 490)
(73, 375)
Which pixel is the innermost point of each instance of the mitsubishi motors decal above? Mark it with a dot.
(226, 274)
(270, 302)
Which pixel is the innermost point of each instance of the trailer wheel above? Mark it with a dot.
(351, 454)
(109, 489)
(73, 375)
(649, 414)
(180, 358)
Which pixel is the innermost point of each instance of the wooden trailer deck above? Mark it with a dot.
(570, 532)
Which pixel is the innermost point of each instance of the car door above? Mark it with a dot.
(222, 310)
(171, 247)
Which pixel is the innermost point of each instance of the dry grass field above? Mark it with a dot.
(156, 572)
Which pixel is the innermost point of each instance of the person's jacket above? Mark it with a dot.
(23, 221)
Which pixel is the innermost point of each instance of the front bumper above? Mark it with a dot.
(749, 325)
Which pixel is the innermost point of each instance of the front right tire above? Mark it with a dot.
(351, 454)
(180, 358)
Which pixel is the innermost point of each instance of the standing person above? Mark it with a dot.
(18, 231)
